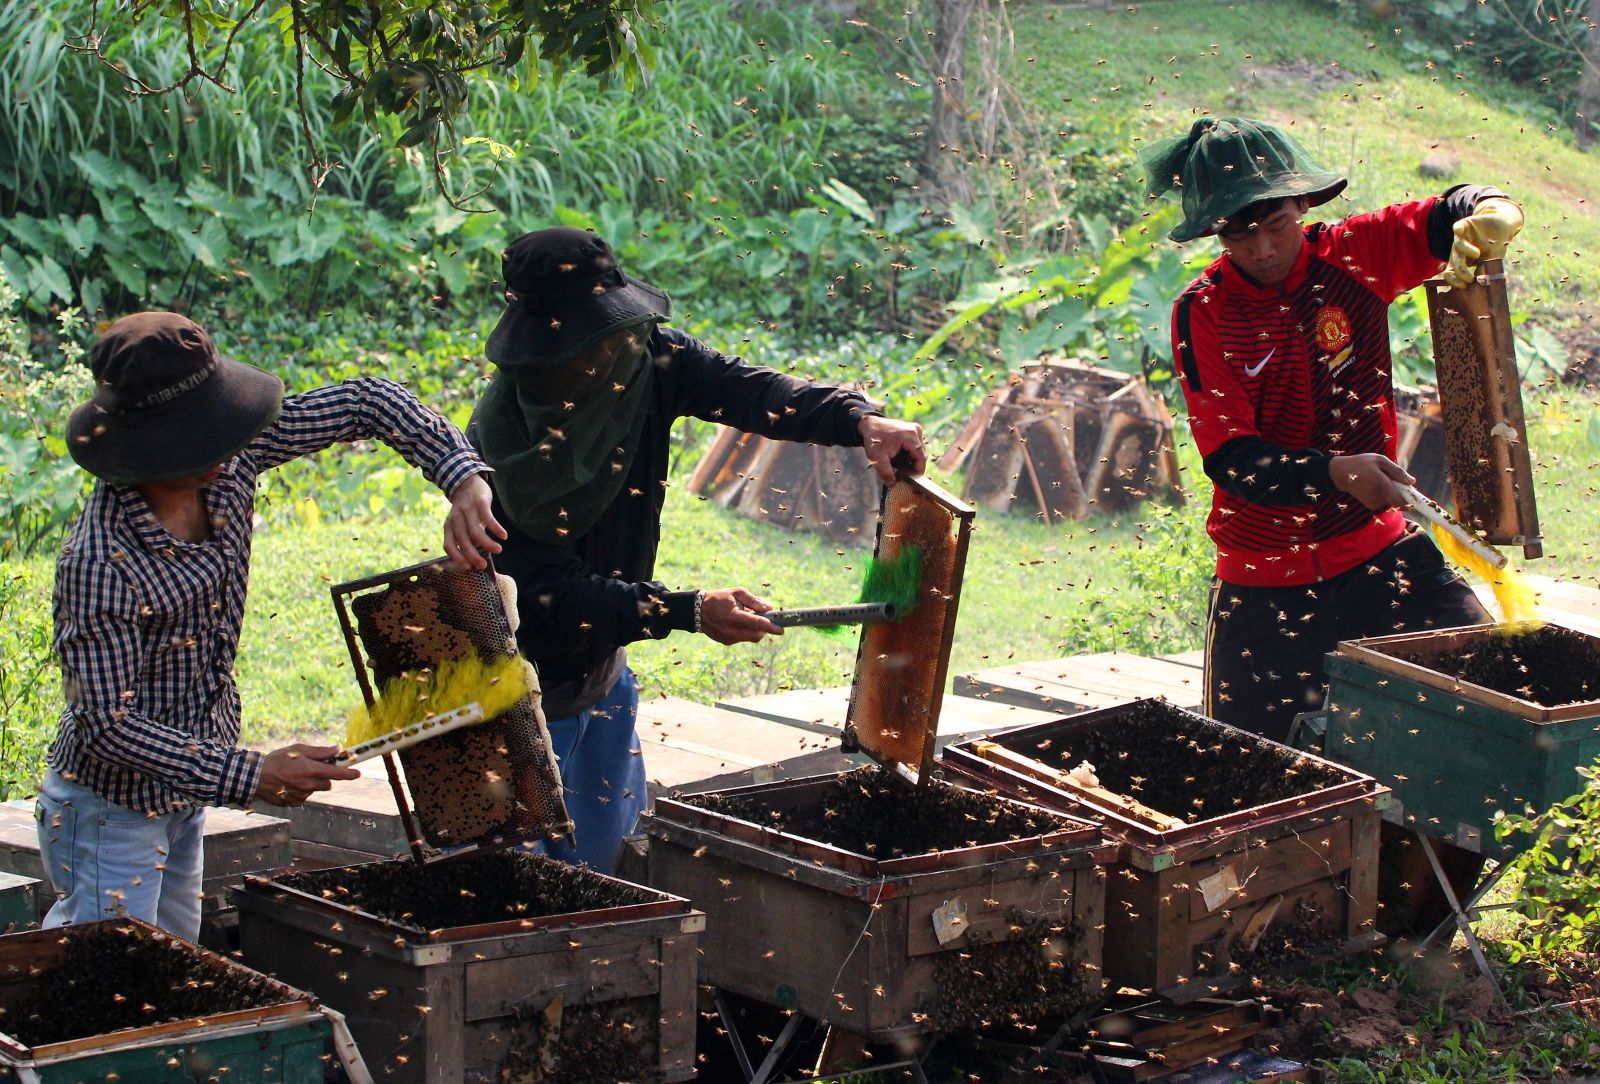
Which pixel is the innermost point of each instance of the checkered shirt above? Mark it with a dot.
(147, 625)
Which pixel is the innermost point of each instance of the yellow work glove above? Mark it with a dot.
(1482, 235)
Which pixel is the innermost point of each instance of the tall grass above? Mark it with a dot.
(191, 197)
(737, 106)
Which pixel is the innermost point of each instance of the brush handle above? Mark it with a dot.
(864, 613)
(406, 737)
(1429, 510)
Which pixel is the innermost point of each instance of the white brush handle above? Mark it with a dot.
(406, 737)
(1429, 510)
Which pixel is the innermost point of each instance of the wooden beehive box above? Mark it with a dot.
(1233, 846)
(1461, 724)
(491, 965)
(121, 1000)
(1064, 439)
(20, 899)
(853, 938)
(937, 908)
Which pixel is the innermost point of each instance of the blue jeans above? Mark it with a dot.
(602, 774)
(106, 860)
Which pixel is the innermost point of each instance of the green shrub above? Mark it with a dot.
(1560, 872)
(1161, 607)
(30, 684)
(1108, 300)
(40, 485)
(709, 178)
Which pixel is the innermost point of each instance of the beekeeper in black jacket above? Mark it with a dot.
(576, 425)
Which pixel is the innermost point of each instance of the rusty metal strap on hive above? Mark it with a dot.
(483, 784)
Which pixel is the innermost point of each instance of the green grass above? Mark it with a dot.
(1347, 89)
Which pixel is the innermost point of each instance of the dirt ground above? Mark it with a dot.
(1321, 1023)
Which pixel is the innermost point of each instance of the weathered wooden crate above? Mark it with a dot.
(19, 902)
(1454, 751)
(855, 940)
(235, 843)
(1214, 891)
(236, 1026)
(605, 993)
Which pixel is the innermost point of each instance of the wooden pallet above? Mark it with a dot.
(822, 711)
(235, 843)
(684, 743)
(1081, 682)
(358, 817)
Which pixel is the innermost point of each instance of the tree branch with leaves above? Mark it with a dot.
(412, 59)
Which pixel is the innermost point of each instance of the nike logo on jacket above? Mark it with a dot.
(1255, 370)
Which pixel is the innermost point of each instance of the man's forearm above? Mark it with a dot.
(1455, 204)
(1256, 470)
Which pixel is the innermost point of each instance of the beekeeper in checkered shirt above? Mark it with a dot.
(150, 594)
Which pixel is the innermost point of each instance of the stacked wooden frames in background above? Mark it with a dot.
(1064, 439)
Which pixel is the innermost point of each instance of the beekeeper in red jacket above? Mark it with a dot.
(1283, 350)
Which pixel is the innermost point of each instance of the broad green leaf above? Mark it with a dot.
(47, 277)
(31, 232)
(104, 172)
(209, 244)
(81, 234)
(849, 199)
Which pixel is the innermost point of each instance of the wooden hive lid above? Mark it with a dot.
(901, 666)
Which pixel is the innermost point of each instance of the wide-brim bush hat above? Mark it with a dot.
(1224, 164)
(166, 404)
(566, 292)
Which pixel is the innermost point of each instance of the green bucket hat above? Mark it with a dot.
(1225, 164)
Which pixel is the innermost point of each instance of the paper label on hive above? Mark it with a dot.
(949, 920)
(1219, 888)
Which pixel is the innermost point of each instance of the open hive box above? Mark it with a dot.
(476, 960)
(496, 965)
(880, 900)
(1240, 855)
(1465, 722)
(121, 1000)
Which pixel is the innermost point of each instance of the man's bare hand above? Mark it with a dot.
(884, 438)
(732, 615)
(292, 774)
(470, 530)
(1370, 478)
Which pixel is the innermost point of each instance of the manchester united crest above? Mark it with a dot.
(1333, 335)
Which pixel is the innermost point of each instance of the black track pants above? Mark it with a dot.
(1264, 645)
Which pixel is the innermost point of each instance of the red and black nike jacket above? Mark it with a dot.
(1279, 380)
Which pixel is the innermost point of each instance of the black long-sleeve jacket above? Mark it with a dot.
(582, 601)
